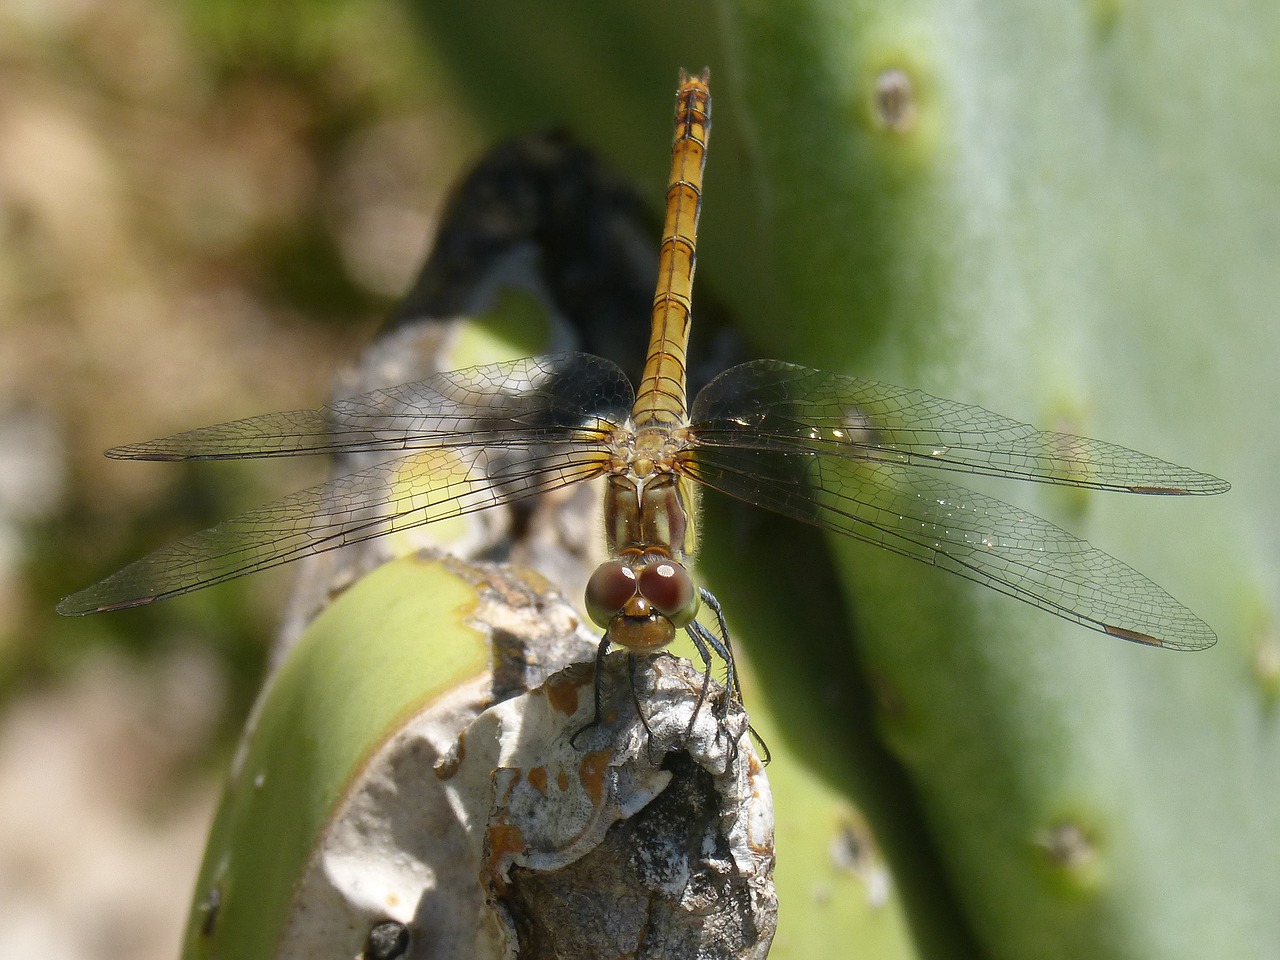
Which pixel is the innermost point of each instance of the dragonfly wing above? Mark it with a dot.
(522, 402)
(429, 485)
(976, 536)
(780, 406)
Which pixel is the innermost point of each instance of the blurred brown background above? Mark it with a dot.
(204, 209)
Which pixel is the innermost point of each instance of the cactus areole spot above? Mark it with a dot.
(894, 100)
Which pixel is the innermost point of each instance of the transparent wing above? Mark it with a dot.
(530, 401)
(429, 485)
(460, 441)
(771, 405)
(975, 536)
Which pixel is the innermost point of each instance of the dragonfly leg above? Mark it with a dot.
(595, 718)
(702, 639)
(721, 644)
(632, 663)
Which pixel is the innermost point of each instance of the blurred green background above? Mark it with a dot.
(1066, 213)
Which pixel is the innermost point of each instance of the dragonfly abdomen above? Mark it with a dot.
(661, 398)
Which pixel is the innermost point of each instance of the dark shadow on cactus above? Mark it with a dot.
(819, 692)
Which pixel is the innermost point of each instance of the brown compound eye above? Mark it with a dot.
(608, 590)
(670, 590)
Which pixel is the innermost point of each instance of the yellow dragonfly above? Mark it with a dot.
(864, 459)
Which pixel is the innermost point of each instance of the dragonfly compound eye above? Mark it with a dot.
(608, 590)
(669, 589)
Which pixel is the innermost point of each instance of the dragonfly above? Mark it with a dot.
(864, 459)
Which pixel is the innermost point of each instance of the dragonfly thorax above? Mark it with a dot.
(648, 505)
(652, 512)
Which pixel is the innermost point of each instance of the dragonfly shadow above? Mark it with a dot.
(793, 623)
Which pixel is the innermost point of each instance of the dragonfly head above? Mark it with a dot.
(642, 603)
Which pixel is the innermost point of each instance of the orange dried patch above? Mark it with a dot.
(591, 772)
(562, 694)
(537, 778)
(505, 840)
